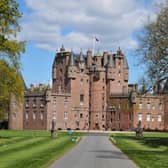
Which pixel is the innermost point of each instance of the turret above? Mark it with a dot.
(89, 58)
(122, 61)
(110, 68)
(71, 67)
(81, 61)
(125, 69)
(62, 49)
(71, 62)
(105, 58)
(119, 52)
(81, 58)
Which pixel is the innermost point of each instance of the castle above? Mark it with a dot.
(89, 93)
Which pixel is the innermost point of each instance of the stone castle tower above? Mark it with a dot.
(89, 80)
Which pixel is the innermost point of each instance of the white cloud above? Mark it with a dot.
(75, 22)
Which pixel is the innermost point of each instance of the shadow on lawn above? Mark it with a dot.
(155, 142)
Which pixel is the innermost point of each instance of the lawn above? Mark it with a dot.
(32, 149)
(151, 151)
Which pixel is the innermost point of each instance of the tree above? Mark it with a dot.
(10, 48)
(10, 53)
(10, 83)
(143, 86)
(153, 46)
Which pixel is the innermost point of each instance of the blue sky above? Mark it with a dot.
(47, 24)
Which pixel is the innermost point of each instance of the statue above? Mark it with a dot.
(139, 130)
(53, 130)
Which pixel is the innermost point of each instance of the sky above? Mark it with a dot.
(47, 24)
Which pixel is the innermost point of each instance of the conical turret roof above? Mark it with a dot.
(81, 58)
(72, 62)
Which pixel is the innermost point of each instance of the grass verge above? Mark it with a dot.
(32, 149)
(151, 151)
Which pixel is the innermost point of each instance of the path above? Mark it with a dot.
(94, 151)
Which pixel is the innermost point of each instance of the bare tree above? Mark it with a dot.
(153, 46)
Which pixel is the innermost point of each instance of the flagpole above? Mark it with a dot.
(93, 47)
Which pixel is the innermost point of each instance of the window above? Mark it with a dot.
(65, 115)
(119, 73)
(148, 117)
(42, 103)
(81, 115)
(119, 83)
(81, 81)
(159, 117)
(148, 105)
(54, 114)
(54, 101)
(34, 102)
(77, 123)
(153, 107)
(34, 115)
(119, 106)
(81, 99)
(42, 115)
(65, 102)
(27, 115)
(140, 105)
(139, 117)
(27, 103)
(160, 106)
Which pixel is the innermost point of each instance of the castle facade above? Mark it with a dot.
(89, 93)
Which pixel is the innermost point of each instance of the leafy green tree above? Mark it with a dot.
(153, 46)
(10, 53)
(11, 83)
(10, 48)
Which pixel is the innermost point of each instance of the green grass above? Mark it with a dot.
(151, 151)
(32, 149)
